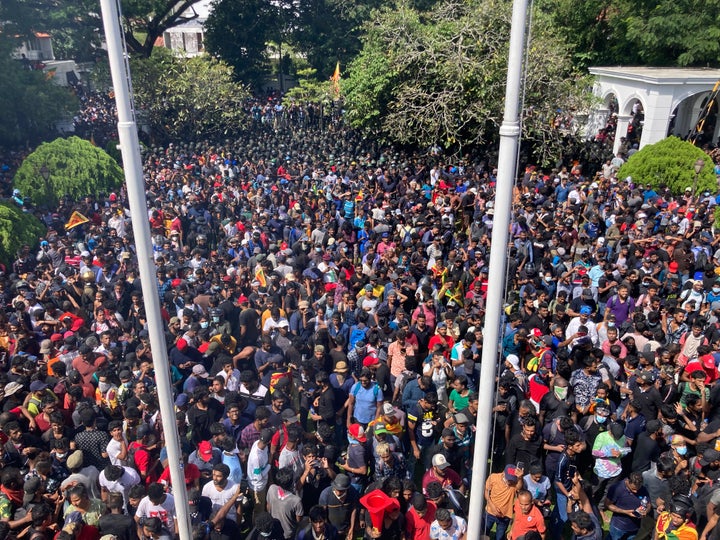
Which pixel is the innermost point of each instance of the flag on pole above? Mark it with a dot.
(260, 275)
(76, 219)
(336, 80)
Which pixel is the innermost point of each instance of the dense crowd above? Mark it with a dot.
(323, 304)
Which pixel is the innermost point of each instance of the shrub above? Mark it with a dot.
(77, 168)
(670, 162)
(16, 229)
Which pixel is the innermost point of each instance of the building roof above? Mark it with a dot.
(660, 75)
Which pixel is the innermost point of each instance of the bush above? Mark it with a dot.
(77, 168)
(16, 229)
(670, 162)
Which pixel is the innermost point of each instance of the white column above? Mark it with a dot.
(623, 121)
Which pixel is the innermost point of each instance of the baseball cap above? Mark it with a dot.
(709, 456)
(461, 418)
(205, 451)
(585, 310)
(37, 386)
(379, 428)
(290, 416)
(357, 432)
(199, 371)
(510, 473)
(266, 435)
(388, 409)
(439, 461)
(370, 361)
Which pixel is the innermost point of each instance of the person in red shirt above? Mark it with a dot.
(142, 459)
(441, 472)
(705, 362)
(526, 517)
(191, 471)
(419, 517)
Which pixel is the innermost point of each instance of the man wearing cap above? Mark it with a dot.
(441, 471)
(204, 458)
(500, 491)
(342, 503)
(355, 464)
(573, 330)
(280, 437)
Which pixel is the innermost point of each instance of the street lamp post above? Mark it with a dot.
(45, 174)
(699, 165)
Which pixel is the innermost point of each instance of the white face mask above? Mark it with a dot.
(560, 392)
(103, 386)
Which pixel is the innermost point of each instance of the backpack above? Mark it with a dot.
(534, 363)
(356, 390)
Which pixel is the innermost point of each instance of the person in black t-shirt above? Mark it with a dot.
(122, 526)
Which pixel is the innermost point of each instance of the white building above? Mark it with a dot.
(670, 99)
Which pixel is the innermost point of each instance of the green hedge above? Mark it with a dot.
(670, 162)
(76, 167)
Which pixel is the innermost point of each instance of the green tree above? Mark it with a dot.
(238, 31)
(147, 20)
(188, 98)
(648, 32)
(309, 90)
(329, 31)
(439, 77)
(670, 162)
(74, 25)
(16, 229)
(30, 105)
(76, 169)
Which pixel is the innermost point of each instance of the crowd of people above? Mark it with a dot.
(323, 302)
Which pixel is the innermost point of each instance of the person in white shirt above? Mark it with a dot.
(258, 470)
(447, 526)
(582, 320)
(221, 491)
(117, 448)
(118, 479)
(157, 504)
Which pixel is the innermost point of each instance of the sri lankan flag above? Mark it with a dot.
(76, 219)
(336, 80)
(260, 275)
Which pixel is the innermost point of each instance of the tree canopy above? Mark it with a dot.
(76, 169)
(17, 228)
(238, 31)
(30, 105)
(439, 77)
(188, 98)
(650, 32)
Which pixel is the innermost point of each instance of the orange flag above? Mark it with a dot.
(76, 219)
(336, 80)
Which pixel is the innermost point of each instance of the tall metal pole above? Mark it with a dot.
(509, 137)
(132, 164)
